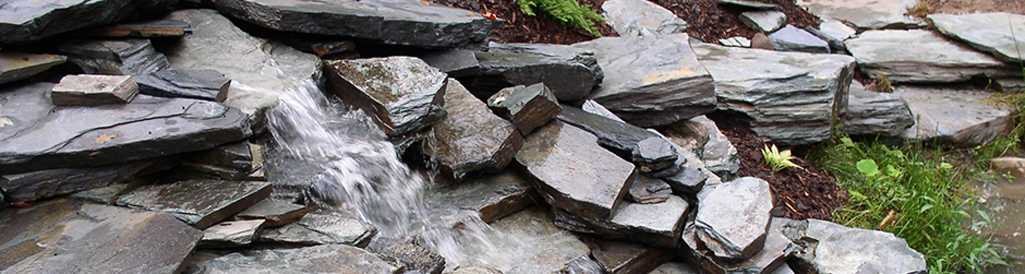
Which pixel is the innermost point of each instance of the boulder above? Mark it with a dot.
(85, 90)
(595, 184)
(207, 85)
(766, 21)
(959, 116)
(778, 248)
(673, 268)
(326, 259)
(733, 218)
(36, 185)
(411, 256)
(870, 112)
(492, 196)
(234, 161)
(16, 66)
(922, 56)
(866, 14)
(736, 41)
(625, 258)
(454, 62)
(144, 29)
(749, 4)
(200, 203)
(835, 33)
(67, 236)
(231, 234)
(528, 107)
(833, 248)
(397, 22)
(402, 94)
(988, 32)
(274, 212)
(791, 38)
(29, 21)
(471, 138)
(647, 190)
(794, 98)
(651, 81)
(657, 225)
(118, 57)
(325, 227)
(620, 137)
(570, 73)
(38, 135)
(641, 18)
(540, 246)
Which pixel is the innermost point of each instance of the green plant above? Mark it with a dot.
(567, 12)
(883, 83)
(778, 160)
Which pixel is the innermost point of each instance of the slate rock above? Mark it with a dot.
(733, 218)
(541, 247)
(835, 33)
(625, 258)
(737, 41)
(676, 167)
(647, 190)
(866, 14)
(641, 18)
(718, 153)
(620, 137)
(793, 99)
(528, 107)
(654, 153)
(870, 112)
(651, 81)
(473, 269)
(144, 29)
(657, 225)
(85, 90)
(791, 38)
(35, 185)
(67, 236)
(766, 21)
(570, 73)
(492, 196)
(397, 22)
(673, 268)
(412, 257)
(274, 212)
(833, 248)
(988, 32)
(149, 127)
(105, 195)
(592, 188)
(324, 48)
(778, 248)
(471, 138)
(959, 116)
(231, 234)
(922, 56)
(16, 66)
(339, 259)
(454, 62)
(749, 4)
(201, 203)
(234, 161)
(592, 107)
(686, 182)
(207, 85)
(118, 57)
(402, 94)
(29, 21)
(324, 227)
(689, 158)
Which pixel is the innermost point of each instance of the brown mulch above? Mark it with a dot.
(972, 6)
(521, 28)
(710, 22)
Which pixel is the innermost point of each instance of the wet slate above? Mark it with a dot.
(492, 196)
(340, 259)
(657, 225)
(870, 112)
(570, 73)
(778, 248)
(528, 107)
(592, 107)
(647, 190)
(988, 32)
(840, 249)
(641, 18)
(733, 218)
(454, 62)
(231, 234)
(121, 57)
(402, 94)
(200, 203)
(207, 85)
(541, 246)
(627, 258)
(954, 115)
(35, 185)
(16, 66)
(922, 56)
(791, 38)
(41, 136)
(86, 89)
(324, 227)
(620, 137)
(144, 29)
(29, 21)
(275, 212)
(234, 161)
(409, 255)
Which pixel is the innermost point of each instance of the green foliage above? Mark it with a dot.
(778, 160)
(568, 12)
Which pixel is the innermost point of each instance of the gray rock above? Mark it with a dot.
(749, 4)
(733, 218)
(473, 269)
(35, 185)
(275, 212)
(592, 188)
(492, 196)
(207, 85)
(322, 228)
(324, 48)
(778, 248)
(231, 234)
(67, 236)
(791, 38)
(85, 90)
(38, 135)
(105, 195)
(647, 190)
(833, 248)
(201, 203)
(16, 66)
(657, 225)
(688, 181)
(835, 33)
(541, 246)
(454, 62)
(528, 107)
(737, 41)
(651, 81)
(922, 56)
(1009, 85)
(689, 158)
(234, 161)
(30, 21)
(592, 107)
(620, 137)
(988, 32)
(624, 258)
(117, 57)
(676, 167)
(793, 99)
(145, 29)
(570, 73)
(718, 154)
(871, 112)
(866, 14)
(402, 94)
(398, 22)
(471, 138)
(654, 153)
(411, 256)
(641, 18)
(959, 116)
(673, 268)
(338, 259)
(766, 21)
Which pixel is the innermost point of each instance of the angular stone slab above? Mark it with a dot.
(528, 107)
(870, 112)
(411, 256)
(471, 138)
(85, 90)
(791, 38)
(29, 21)
(835, 33)
(749, 4)
(625, 258)
(641, 18)
(207, 85)
(16, 66)
(326, 259)
(620, 137)
(454, 62)
(541, 247)
(686, 182)
(673, 268)
(39, 135)
(234, 161)
(988, 32)
(200, 203)
(119, 57)
(275, 212)
(778, 248)
(704, 136)
(493, 196)
(652, 224)
(402, 94)
(866, 14)
(322, 228)
(592, 188)
(792, 99)
(397, 22)
(145, 29)
(733, 218)
(840, 249)
(766, 21)
(647, 190)
(41, 184)
(651, 81)
(922, 56)
(66, 236)
(960, 116)
(654, 154)
(231, 234)
(570, 73)
(736, 41)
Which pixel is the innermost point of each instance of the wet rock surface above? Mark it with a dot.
(658, 224)
(549, 249)
(207, 85)
(733, 218)
(870, 112)
(322, 228)
(30, 21)
(569, 73)
(17, 66)
(958, 116)
(492, 196)
(35, 185)
(200, 203)
(528, 107)
(120, 57)
(234, 161)
(866, 14)
(988, 32)
(641, 18)
(84, 90)
(411, 256)
(832, 248)
(454, 62)
(921, 56)
(341, 259)
(274, 212)
(231, 234)
(618, 136)
(791, 38)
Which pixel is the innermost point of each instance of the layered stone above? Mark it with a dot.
(201, 203)
(870, 112)
(733, 218)
(118, 57)
(833, 248)
(324, 227)
(528, 107)
(996, 33)
(922, 56)
(16, 66)
(658, 224)
(30, 21)
(207, 85)
(866, 14)
(491, 196)
(85, 90)
(959, 116)
(570, 73)
(791, 38)
(641, 18)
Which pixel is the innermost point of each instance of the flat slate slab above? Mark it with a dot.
(866, 14)
(870, 112)
(658, 224)
(120, 57)
(527, 107)
(766, 21)
(145, 29)
(41, 136)
(201, 203)
(492, 196)
(641, 18)
(922, 56)
(791, 38)
(322, 228)
(733, 218)
(570, 73)
(275, 212)
(87, 89)
(996, 33)
(16, 66)
(231, 234)
(35, 185)
(540, 246)
(27, 21)
(835, 33)
(647, 190)
(209, 85)
(325, 259)
(833, 248)
(623, 257)
(619, 137)
(454, 62)
(959, 116)
(67, 236)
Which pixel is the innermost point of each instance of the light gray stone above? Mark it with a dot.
(988, 32)
(207, 85)
(570, 73)
(653, 154)
(326, 259)
(274, 212)
(778, 248)
(737, 41)
(833, 248)
(200, 203)
(870, 112)
(733, 218)
(35, 185)
(84, 90)
(28, 21)
(454, 62)
(492, 196)
(592, 107)
(960, 116)
(766, 21)
(922, 56)
(791, 38)
(657, 224)
(325, 227)
(542, 247)
(835, 33)
(625, 258)
(528, 107)
(118, 57)
(16, 66)
(704, 137)
(231, 234)
(641, 18)
(866, 14)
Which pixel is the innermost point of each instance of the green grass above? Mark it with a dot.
(567, 12)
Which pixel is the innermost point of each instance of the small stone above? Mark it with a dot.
(654, 154)
(778, 248)
(749, 4)
(324, 259)
(622, 257)
(528, 107)
(413, 257)
(833, 248)
(197, 84)
(84, 90)
(766, 21)
(569, 72)
(17, 66)
(647, 190)
(922, 56)
(835, 33)
(620, 137)
(592, 107)
(761, 41)
(791, 38)
(657, 224)
(230, 234)
(454, 62)
(958, 116)
(641, 18)
(997, 33)
(235, 161)
(733, 218)
(686, 182)
(866, 14)
(117, 57)
(200, 203)
(275, 212)
(322, 228)
(145, 29)
(871, 112)
(738, 41)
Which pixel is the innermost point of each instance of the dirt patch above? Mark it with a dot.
(521, 28)
(710, 21)
(973, 6)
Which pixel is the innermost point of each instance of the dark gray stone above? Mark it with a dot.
(647, 190)
(570, 73)
(870, 112)
(231, 234)
(540, 246)
(275, 212)
(955, 115)
(41, 184)
(676, 167)
(105, 195)
(455, 62)
(85, 90)
(409, 255)
(16, 66)
(687, 181)
(234, 161)
(207, 85)
(620, 137)
(29, 21)
(326, 259)
(922, 56)
(528, 107)
(492, 196)
(833, 248)
(201, 203)
(625, 258)
(654, 153)
(402, 94)
(749, 4)
(997, 33)
(325, 227)
(145, 29)
(120, 57)
(652, 224)
(41, 136)
(766, 21)
(651, 81)
(778, 248)
(733, 218)
(791, 38)
(641, 18)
